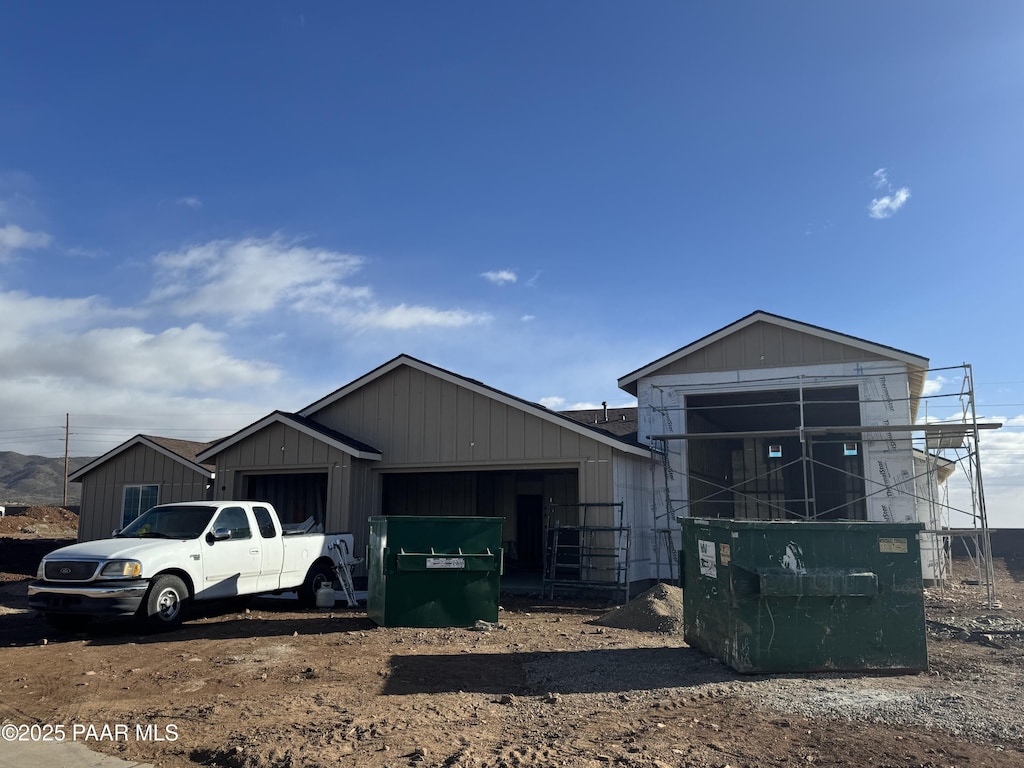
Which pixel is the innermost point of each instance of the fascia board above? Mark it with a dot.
(470, 384)
(139, 440)
(282, 419)
(839, 338)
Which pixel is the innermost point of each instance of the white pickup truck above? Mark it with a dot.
(176, 553)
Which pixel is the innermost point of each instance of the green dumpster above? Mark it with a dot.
(433, 571)
(804, 596)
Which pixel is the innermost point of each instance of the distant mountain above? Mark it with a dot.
(37, 479)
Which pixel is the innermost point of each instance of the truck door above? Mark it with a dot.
(273, 550)
(232, 566)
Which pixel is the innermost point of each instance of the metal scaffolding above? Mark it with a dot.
(952, 441)
(585, 555)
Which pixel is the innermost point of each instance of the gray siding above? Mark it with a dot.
(421, 422)
(424, 423)
(765, 345)
(103, 488)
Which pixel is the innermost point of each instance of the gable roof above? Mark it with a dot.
(916, 364)
(303, 424)
(622, 443)
(185, 452)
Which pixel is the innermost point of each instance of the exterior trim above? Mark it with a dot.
(77, 475)
(482, 389)
(629, 381)
(301, 424)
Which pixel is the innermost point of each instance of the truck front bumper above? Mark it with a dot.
(118, 598)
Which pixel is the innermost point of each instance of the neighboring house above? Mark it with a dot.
(123, 483)
(767, 418)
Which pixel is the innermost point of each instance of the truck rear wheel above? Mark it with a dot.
(165, 603)
(319, 574)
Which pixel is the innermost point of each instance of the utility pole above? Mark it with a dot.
(67, 427)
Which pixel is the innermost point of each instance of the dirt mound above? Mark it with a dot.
(43, 521)
(659, 609)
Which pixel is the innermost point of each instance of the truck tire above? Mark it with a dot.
(165, 603)
(319, 574)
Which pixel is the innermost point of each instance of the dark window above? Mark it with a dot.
(138, 499)
(265, 522)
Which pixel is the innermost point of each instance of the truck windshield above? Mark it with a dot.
(169, 523)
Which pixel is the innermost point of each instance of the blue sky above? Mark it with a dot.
(208, 212)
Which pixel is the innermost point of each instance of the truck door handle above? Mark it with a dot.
(254, 551)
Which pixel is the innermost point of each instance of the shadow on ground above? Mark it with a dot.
(216, 621)
(611, 670)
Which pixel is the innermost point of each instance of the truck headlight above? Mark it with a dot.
(41, 570)
(121, 569)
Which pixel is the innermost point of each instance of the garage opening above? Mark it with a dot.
(528, 500)
(295, 495)
(775, 477)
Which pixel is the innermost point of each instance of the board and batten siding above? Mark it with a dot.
(103, 487)
(420, 420)
(766, 345)
(423, 423)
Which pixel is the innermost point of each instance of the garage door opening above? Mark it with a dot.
(528, 500)
(295, 495)
(776, 477)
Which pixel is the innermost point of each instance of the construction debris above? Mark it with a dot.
(659, 609)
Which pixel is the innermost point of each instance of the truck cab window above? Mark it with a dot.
(234, 519)
(264, 522)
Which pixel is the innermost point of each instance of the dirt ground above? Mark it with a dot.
(276, 687)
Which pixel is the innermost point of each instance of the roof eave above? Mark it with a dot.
(630, 381)
(77, 475)
(479, 387)
(283, 418)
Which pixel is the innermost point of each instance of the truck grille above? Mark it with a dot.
(70, 570)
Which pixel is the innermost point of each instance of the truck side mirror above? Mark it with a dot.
(218, 534)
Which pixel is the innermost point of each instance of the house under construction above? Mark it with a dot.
(767, 418)
(774, 419)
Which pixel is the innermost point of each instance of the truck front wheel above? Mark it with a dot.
(165, 603)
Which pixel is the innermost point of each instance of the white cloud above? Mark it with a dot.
(404, 317)
(14, 238)
(86, 253)
(553, 403)
(1002, 459)
(83, 344)
(885, 207)
(242, 279)
(500, 277)
(246, 277)
(528, 318)
(82, 356)
(190, 202)
(933, 386)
